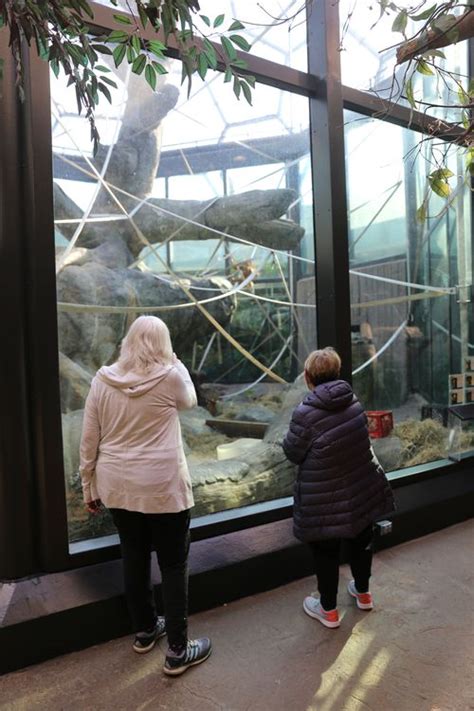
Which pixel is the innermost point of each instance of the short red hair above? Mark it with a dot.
(323, 365)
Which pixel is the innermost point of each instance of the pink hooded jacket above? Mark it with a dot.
(131, 454)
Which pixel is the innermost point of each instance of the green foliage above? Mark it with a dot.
(428, 24)
(438, 181)
(62, 35)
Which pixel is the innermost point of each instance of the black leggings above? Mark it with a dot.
(326, 556)
(168, 535)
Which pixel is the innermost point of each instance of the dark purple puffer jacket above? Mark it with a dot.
(340, 489)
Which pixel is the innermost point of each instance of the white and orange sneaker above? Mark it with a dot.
(312, 606)
(364, 600)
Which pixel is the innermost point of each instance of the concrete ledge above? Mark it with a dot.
(62, 612)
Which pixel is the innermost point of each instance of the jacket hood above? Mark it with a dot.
(133, 384)
(335, 395)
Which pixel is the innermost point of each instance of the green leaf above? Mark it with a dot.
(434, 53)
(409, 92)
(159, 68)
(423, 68)
(202, 65)
(463, 96)
(131, 54)
(441, 188)
(247, 92)
(108, 81)
(117, 36)
(102, 68)
(219, 20)
(105, 92)
(54, 64)
(236, 25)
(422, 212)
(424, 15)
(139, 64)
(102, 49)
(240, 42)
(442, 174)
(250, 80)
(76, 53)
(87, 8)
(228, 75)
(470, 159)
(123, 19)
(237, 87)
(156, 47)
(229, 49)
(150, 76)
(143, 15)
(400, 22)
(210, 54)
(119, 54)
(205, 19)
(136, 44)
(444, 23)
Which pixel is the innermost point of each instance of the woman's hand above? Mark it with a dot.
(94, 507)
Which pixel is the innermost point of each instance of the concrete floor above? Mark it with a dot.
(414, 652)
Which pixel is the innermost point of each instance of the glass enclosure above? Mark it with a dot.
(410, 321)
(202, 209)
(198, 210)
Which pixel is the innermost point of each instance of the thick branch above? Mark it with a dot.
(435, 39)
(251, 215)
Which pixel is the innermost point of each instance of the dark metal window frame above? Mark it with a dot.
(34, 507)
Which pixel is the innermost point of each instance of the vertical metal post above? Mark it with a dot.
(42, 317)
(329, 183)
(17, 552)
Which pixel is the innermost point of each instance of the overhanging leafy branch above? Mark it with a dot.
(64, 34)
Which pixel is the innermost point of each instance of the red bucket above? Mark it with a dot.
(380, 423)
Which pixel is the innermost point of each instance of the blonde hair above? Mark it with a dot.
(323, 365)
(146, 344)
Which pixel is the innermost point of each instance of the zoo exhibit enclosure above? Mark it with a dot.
(214, 216)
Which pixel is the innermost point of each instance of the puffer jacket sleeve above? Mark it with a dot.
(298, 439)
(89, 448)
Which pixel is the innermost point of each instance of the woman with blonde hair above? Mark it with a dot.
(133, 462)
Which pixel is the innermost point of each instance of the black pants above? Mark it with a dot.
(326, 556)
(168, 535)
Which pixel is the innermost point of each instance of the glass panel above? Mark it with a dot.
(411, 324)
(212, 195)
(270, 36)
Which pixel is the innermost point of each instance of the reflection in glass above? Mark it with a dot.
(410, 328)
(197, 210)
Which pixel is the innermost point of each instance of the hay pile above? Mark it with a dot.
(427, 441)
(422, 441)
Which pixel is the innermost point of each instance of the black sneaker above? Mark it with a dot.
(197, 651)
(145, 641)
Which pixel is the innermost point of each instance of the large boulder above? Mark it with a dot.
(193, 422)
(261, 475)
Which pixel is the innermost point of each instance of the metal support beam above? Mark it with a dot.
(17, 552)
(329, 184)
(40, 277)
